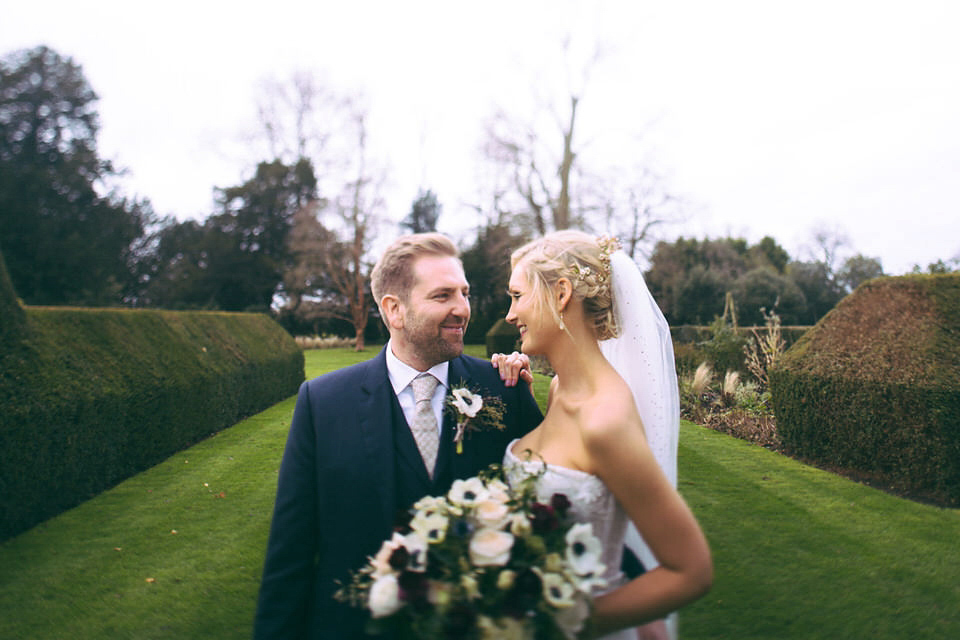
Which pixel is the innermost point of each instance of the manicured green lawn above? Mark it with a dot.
(799, 553)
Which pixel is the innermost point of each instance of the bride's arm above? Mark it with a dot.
(614, 441)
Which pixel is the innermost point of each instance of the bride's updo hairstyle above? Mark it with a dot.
(585, 261)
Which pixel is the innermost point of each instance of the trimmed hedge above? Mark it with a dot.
(502, 338)
(93, 396)
(874, 388)
(12, 317)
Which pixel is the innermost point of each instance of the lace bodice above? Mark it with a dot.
(591, 501)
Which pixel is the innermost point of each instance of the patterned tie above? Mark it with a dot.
(424, 425)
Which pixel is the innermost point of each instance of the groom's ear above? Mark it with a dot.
(392, 310)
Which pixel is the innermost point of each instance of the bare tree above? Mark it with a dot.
(542, 176)
(358, 206)
(331, 239)
(826, 245)
(296, 117)
(542, 180)
(636, 205)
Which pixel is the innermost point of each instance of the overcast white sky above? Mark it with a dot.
(772, 118)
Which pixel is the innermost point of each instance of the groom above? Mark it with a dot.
(362, 447)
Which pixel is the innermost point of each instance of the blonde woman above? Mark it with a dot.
(609, 435)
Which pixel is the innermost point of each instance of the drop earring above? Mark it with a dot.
(563, 327)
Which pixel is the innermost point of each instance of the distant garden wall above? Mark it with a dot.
(89, 397)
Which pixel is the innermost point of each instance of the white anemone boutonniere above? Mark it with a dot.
(474, 412)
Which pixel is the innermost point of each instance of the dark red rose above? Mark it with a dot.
(543, 518)
(413, 588)
(399, 558)
(560, 503)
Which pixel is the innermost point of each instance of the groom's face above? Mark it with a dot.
(436, 314)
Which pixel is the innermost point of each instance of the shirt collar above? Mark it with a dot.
(401, 374)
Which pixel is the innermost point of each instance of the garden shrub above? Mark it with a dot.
(502, 338)
(12, 317)
(687, 357)
(724, 349)
(874, 388)
(93, 396)
(694, 344)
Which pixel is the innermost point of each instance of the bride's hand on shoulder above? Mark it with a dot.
(513, 367)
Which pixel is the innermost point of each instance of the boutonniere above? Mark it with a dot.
(474, 412)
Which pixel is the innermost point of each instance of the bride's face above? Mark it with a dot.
(526, 312)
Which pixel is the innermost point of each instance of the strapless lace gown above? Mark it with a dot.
(591, 502)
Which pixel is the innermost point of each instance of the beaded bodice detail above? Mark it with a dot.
(591, 502)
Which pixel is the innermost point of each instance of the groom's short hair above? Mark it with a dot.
(393, 273)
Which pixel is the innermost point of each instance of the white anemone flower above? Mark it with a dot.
(583, 550)
(431, 504)
(417, 546)
(381, 561)
(431, 527)
(557, 591)
(468, 492)
(467, 403)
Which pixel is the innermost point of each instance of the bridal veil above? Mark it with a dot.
(642, 354)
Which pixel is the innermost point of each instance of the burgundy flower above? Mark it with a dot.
(543, 518)
(399, 558)
(560, 503)
(413, 588)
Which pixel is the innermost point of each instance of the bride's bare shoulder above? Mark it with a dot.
(610, 413)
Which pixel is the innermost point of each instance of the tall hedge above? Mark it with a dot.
(874, 387)
(12, 317)
(92, 396)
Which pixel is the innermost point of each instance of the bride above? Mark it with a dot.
(609, 435)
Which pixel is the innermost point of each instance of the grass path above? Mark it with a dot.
(799, 553)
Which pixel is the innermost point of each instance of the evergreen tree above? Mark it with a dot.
(65, 241)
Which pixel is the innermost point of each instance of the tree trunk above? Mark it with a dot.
(561, 214)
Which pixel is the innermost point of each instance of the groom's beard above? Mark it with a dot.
(433, 342)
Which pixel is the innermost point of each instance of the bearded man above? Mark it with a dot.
(368, 441)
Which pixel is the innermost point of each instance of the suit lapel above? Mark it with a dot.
(376, 430)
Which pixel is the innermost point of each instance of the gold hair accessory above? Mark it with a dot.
(608, 246)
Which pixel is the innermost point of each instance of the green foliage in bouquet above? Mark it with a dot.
(485, 561)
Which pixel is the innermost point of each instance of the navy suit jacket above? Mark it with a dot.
(337, 496)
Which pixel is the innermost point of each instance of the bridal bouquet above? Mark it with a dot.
(485, 561)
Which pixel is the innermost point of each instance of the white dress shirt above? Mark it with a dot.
(401, 375)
